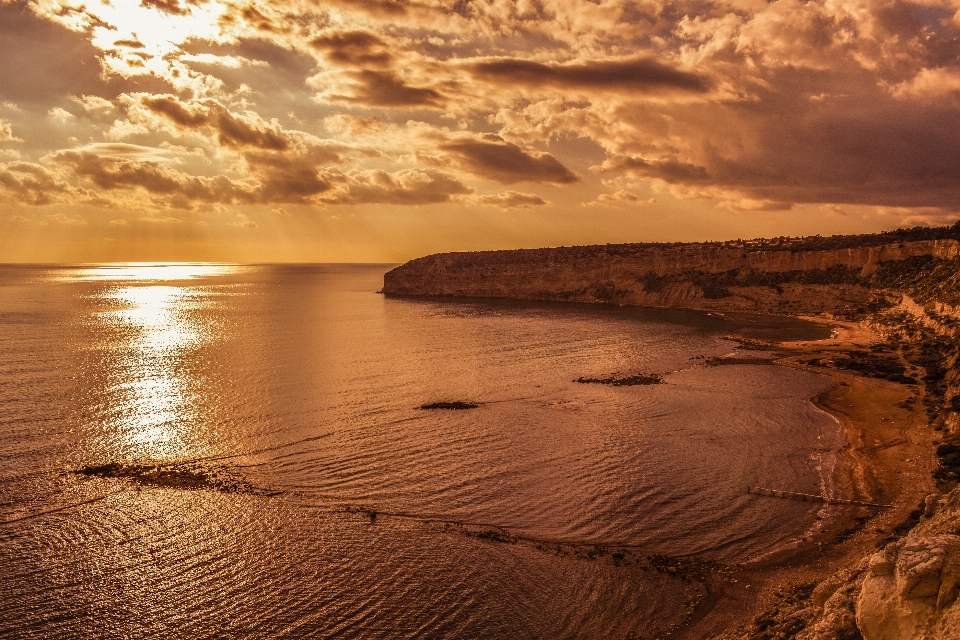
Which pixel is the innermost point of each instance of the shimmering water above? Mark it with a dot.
(291, 394)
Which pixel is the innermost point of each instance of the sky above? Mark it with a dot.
(381, 130)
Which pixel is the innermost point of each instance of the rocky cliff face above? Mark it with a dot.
(776, 276)
(905, 591)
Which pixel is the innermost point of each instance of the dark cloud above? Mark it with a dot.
(377, 8)
(788, 149)
(901, 18)
(408, 187)
(173, 7)
(290, 177)
(354, 48)
(32, 184)
(114, 173)
(667, 169)
(287, 164)
(261, 21)
(495, 159)
(131, 44)
(233, 131)
(386, 89)
(641, 74)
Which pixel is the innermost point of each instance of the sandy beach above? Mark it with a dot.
(887, 458)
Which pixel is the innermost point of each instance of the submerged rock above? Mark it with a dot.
(458, 405)
(625, 381)
(188, 475)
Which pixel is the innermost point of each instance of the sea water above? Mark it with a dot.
(327, 503)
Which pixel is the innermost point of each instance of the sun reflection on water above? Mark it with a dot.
(146, 271)
(156, 329)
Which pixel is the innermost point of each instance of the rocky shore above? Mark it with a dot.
(894, 300)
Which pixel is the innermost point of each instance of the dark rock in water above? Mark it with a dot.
(625, 381)
(450, 405)
(184, 475)
(493, 535)
(716, 362)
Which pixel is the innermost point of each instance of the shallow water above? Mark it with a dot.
(289, 395)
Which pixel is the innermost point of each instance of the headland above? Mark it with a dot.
(894, 302)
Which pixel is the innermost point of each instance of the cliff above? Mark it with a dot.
(841, 274)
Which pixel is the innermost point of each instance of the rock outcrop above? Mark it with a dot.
(910, 589)
(787, 276)
(906, 591)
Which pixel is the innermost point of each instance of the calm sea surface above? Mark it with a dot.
(287, 398)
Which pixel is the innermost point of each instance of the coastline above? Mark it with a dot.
(887, 456)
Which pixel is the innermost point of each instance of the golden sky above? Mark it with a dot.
(380, 130)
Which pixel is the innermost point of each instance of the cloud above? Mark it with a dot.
(513, 200)
(274, 177)
(6, 133)
(930, 84)
(232, 131)
(743, 107)
(61, 115)
(172, 7)
(353, 126)
(626, 75)
(259, 19)
(493, 158)
(755, 205)
(117, 173)
(158, 220)
(32, 184)
(289, 177)
(618, 196)
(376, 88)
(608, 200)
(354, 48)
(60, 218)
(93, 104)
(406, 187)
(668, 169)
(42, 62)
(124, 150)
(130, 44)
(243, 221)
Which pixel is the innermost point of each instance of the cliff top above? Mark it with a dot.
(803, 243)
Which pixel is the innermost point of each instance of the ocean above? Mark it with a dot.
(255, 461)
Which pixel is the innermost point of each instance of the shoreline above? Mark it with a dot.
(887, 456)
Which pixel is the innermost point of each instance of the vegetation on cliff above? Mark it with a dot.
(841, 275)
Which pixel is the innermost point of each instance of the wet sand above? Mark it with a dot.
(887, 458)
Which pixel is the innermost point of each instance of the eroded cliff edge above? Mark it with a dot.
(891, 583)
(841, 274)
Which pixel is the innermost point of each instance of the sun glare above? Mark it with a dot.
(157, 327)
(146, 272)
